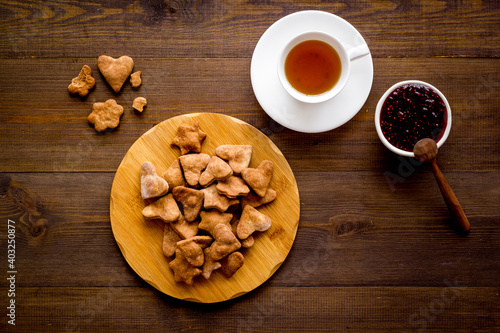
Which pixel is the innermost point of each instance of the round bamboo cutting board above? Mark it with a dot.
(140, 240)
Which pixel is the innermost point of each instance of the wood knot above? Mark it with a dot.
(31, 211)
(5, 181)
(346, 225)
(25, 201)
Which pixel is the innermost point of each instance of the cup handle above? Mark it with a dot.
(358, 51)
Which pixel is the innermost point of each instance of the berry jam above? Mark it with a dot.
(410, 113)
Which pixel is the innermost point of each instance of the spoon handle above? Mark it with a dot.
(450, 199)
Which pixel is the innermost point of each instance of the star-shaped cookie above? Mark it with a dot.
(210, 219)
(189, 138)
(183, 270)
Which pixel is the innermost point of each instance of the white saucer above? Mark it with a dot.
(296, 115)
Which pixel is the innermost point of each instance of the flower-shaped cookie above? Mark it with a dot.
(105, 115)
(82, 83)
(252, 220)
(189, 138)
(238, 156)
(152, 185)
(258, 179)
(115, 71)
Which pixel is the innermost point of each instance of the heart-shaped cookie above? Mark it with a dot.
(115, 71)
(152, 185)
(258, 179)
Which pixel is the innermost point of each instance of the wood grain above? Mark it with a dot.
(360, 233)
(140, 241)
(232, 28)
(65, 142)
(448, 307)
(374, 250)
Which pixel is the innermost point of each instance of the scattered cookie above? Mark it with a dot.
(255, 201)
(216, 169)
(258, 179)
(170, 239)
(115, 71)
(213, 199)
(164, 208)
(152, 185)
(189, 138)
(209, 265)
(135, 79)
(139, 103)
(183, 270)
(193, 165)
(174, 176)
(82, 83)
(210, 219)
(232, 263)
(105, 115)
(184, 229)
(225, 242)
(233, 187)
(252, 220)
(238, 156)
(191, 201)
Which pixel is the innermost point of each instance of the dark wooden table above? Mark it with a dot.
(371, 254)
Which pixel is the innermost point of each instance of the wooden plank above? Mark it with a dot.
(449, 307)
(45, 129)
(361, 232)
(231, 29)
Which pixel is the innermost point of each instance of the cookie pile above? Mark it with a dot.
(209, 205)
(116, 72)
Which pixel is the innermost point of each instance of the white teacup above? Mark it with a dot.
(345, 55)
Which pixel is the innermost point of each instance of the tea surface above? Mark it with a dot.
(313, 67)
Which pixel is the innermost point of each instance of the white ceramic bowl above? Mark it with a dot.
(379, 109)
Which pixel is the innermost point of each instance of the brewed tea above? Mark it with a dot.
(313, 67)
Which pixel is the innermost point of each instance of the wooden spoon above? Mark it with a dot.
(426, 150)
